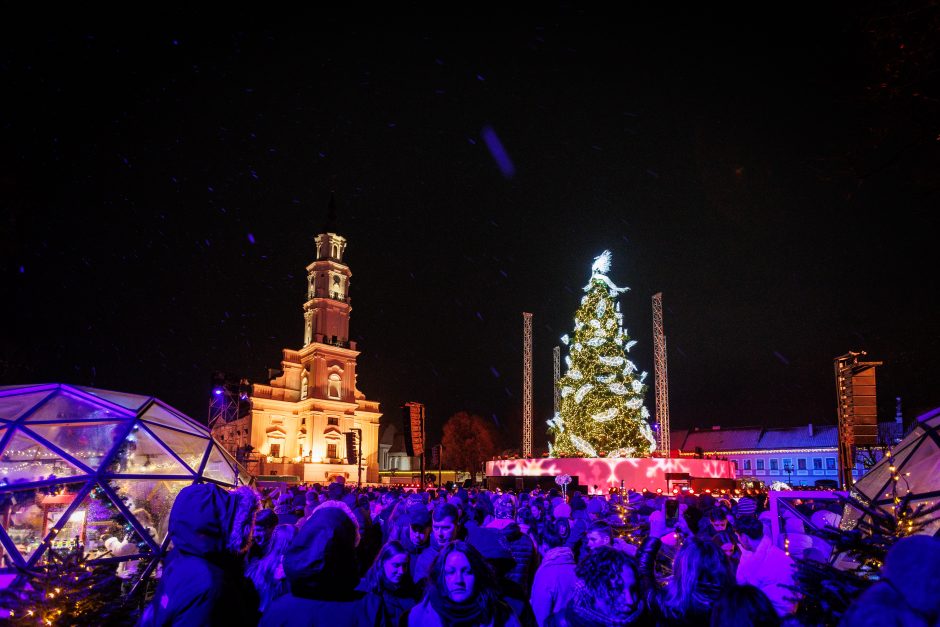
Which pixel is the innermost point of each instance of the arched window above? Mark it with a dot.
(303, 388)
(336, 388)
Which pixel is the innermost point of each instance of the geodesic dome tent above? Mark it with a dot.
(95, 473)
(918, 454)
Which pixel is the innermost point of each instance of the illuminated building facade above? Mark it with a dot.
(299, 419)
(798, 456)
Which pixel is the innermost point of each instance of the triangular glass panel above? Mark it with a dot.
(89, 442)
(66, 408)
(6, 558)
(150, 500)
(142, 454)
(25, 459)
(190, 448)
(29, 515)
(101, 529)
(218, 468)
(12, 407)
(162, 416)
(128, 401)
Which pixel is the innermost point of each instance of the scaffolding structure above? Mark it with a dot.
(229, 400)
(526, 385)
(662, 379)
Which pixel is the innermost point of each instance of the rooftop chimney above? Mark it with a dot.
(810, 429)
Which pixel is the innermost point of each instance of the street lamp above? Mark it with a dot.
(788, 469)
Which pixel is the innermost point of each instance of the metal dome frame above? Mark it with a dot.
(69, 426)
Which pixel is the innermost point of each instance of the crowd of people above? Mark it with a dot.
(385, 556)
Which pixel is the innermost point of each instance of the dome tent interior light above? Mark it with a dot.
(96, 472)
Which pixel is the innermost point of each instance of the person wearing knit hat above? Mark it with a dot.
(745, 507)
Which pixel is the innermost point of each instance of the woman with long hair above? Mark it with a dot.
(700, 572)
(462, 592)
(266, 573)
(390, 582)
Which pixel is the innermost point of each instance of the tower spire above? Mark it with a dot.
(329, 225)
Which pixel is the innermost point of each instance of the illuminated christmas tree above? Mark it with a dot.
(602, 412)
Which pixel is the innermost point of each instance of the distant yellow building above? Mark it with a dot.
(298, 420)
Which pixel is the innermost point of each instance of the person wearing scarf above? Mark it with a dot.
(462, 592)
(390, 582)
(607, 593)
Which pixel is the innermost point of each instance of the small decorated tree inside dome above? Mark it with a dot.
(602, 412)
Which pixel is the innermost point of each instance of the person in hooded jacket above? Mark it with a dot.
(390, 582)
(204, 582)
(322, 571)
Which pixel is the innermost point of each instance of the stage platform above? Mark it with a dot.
(650, 473)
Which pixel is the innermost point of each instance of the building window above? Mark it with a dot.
(760, 464)
(773, 464)
(817, 463)
(801, 463)
(735, 463)
(830, 463)
(331, 451)
(275, 450)
(332, 420)
(747, 464)
(335, 387)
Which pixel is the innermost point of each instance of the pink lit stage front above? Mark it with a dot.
(650, 473)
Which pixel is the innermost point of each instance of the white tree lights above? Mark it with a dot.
(602, 412)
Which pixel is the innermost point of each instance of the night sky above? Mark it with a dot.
(772, 173)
